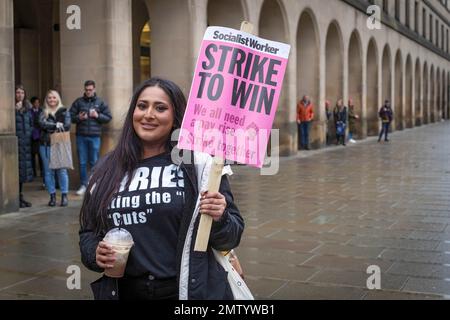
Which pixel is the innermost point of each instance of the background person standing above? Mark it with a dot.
(386, 116)
(89, 113)
(36, 111)
(305, 115)
(24, 128)
(340, 120)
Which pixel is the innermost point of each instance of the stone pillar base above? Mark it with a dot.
(318, 135)
(418, 122)
(288, 145)
(398, 126)
(9, 171)
(372, 127)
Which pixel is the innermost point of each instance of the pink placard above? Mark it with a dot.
(234, 96)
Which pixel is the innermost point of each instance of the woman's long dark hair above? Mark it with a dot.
(123, 160)
(26, 105)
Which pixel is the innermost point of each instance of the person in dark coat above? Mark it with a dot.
(24, 128)
(54, 117)
(139, 187)
(90, 113)
(36, 111)
(386, 115)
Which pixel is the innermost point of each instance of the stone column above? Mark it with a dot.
(101, 51)
(118, 71)
(9, 184)
(364, 96)
(198, 9)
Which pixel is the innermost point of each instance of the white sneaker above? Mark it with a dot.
(352, 141)
(81, 191)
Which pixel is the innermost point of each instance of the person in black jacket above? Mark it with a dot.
(386, 115)
(55, 117)
(340, 121)
(139, 187)
(36, 111)
(24, 128)
(89, 113)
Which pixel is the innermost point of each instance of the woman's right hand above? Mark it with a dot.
(104, 256)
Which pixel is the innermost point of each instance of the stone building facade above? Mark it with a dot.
(338, 51)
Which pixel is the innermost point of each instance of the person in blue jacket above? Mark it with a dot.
(140, 188)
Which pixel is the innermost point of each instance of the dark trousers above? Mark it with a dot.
(385, 131)
(35, 153)
(340, 139)
(304, 129)
(148, 288)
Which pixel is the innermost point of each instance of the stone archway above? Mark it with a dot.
(171, 18)
(334, 64)
(426, 101)
(272, 27)
(432, 95)
(141, 31)
(225, 13)
(448, 96)
(355, 78)
(37, 46)
(398, 106)
(308, 73)
(387, 71)
(408, 93)
(372, 89)
(418, 105)
(437, 110)
(333, 68)
(443, 96)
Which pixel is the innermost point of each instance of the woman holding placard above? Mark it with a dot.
(156, 206)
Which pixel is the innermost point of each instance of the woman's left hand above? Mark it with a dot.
(213, 204)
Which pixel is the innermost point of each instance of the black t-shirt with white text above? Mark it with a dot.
(151, 209)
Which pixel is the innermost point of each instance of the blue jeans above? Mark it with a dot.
(88, 149)
(304, 133)
(385, 131)
(49, 174)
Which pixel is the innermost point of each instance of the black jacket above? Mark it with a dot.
(385, 114)
(24, 129)
(340, 115)
(207, 279)
(48, 125)
(90, 127)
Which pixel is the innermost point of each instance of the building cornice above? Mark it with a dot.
(399, 27)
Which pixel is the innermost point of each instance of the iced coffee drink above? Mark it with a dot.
(121, 242)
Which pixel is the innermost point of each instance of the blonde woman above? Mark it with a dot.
(54, 117)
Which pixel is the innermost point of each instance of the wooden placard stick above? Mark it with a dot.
(215, 176)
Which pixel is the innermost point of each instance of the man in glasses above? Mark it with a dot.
(89, 113)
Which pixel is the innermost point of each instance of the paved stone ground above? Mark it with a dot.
(312, 230)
